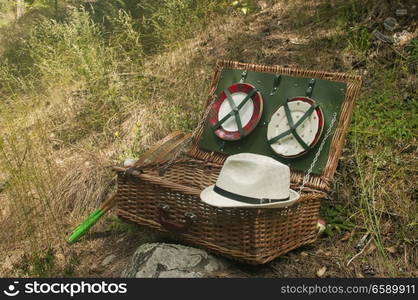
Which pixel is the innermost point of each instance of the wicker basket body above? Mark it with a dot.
(171, 202)
(252, 235)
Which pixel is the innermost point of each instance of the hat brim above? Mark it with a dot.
(209, 196)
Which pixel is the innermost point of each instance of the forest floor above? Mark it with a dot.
(286, 34)
(267, 38)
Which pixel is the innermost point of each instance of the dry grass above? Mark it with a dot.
(53, 158)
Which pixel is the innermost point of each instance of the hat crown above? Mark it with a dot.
(255, 176)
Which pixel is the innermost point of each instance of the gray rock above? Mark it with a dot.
(161, 260)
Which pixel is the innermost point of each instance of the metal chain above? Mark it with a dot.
(321, 146)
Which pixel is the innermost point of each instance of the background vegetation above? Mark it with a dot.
(85, 84)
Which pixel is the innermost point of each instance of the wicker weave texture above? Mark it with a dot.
(252, 235)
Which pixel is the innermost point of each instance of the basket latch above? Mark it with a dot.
(243, 76)
(310, 87)
(276, 83)
(172, 226)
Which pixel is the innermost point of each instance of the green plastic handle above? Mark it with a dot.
(85, 226)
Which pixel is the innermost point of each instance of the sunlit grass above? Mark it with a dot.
(95, 86)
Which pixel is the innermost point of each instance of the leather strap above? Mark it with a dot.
(245, 199)
(293, 126)
(235, 110)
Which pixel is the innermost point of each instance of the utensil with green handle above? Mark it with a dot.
(92, 219)
(162, 150)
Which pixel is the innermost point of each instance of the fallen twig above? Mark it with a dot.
(358, 254)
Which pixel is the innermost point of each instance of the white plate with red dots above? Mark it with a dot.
(309, 131)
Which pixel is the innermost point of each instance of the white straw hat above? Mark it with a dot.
(253, 181)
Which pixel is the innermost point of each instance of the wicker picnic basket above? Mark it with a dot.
(169, 200)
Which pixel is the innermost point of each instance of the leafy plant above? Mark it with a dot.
(336, 218)
(412, 51)
(359, 39)
(37, 264)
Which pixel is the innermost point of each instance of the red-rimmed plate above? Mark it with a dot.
(249, 113)
(309, 131)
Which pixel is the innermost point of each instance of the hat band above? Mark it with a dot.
(245, 199)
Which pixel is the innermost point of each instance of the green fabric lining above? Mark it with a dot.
(328, 94)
